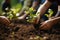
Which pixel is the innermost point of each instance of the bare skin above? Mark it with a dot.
(42, 9)
(26, 4)
(22, 14)
(4, 20)
(49, 23)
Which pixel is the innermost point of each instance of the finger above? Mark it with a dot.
(41, 22)
(41, 26)
(44, 27)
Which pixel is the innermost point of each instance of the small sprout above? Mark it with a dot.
(50, 11)
(10, 16)
(27, 12)
(46, 15)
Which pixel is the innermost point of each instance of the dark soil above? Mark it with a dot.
(27, 32)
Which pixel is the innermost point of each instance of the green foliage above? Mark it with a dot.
(50, 11)
(32, 15)
(12, 14)
(16, 7)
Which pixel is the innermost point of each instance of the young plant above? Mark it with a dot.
(50, 11)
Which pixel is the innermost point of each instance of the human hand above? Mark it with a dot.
(46, 25)
(4, 20)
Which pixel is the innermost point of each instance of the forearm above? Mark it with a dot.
(35, 4)
(22, 11)
(26, 5)
(55, 20)
(42, 9)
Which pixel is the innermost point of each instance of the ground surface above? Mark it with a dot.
(27, 32)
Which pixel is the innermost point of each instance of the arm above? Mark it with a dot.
(49, 23)
(27, 4)
(55, 20)
(42, 9)
(34, 5)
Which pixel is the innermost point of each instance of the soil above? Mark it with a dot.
(27, 31)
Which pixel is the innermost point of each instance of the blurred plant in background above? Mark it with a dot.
(16, 8)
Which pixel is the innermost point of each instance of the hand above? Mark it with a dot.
(4, 20)
(19, 18)
(46, 25)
